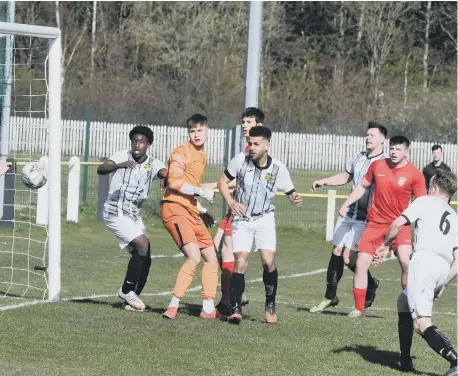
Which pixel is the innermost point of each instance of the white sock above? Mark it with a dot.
(174, 302)
(208, 306)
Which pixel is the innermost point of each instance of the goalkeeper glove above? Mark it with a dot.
(206, 216)
(206, 193)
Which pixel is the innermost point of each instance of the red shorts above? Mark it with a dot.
(226, 224)
(374, 235)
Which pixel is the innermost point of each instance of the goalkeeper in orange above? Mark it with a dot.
(180, 214)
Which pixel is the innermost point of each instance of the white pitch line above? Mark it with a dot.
(392, 280)
(102, 296)
(167, 256)
(302, 304)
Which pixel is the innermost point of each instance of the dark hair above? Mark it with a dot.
(400, 140)
(382, 129)
(261, 131)
(145, 131)
(445, 181)
(254, 112)
(195, 120)
(435, 147)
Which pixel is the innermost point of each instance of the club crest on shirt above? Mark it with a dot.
(401, 181)
(147, 167)
(268, 177)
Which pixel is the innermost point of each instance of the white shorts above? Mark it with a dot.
(262, 230)
(347, 233)
(125, 229)
(426, 274)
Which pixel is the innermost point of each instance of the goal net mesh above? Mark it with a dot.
(24, 98)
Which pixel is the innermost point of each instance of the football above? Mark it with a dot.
(33, 175)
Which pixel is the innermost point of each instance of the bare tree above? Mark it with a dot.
(71, 38)
(94, 25)
(381, 32)
(426, 47)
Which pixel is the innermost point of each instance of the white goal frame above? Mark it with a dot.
(54, 139)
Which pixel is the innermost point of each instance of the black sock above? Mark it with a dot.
(237, 289)
(440, 344)
(144, 274)
(333, 275)
(405, 332)
(134, 270)
(352, 267)
(370, 281)
(270, 280)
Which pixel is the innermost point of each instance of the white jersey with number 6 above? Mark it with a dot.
(435, 226)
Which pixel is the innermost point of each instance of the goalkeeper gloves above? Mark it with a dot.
(206, 216)
(206, 193)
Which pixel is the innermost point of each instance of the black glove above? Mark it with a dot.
(208, 219)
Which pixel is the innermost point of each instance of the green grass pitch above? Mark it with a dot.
(88, 333)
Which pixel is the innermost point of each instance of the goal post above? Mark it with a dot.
(53, 124)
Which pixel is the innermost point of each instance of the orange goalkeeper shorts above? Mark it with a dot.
(184, 226)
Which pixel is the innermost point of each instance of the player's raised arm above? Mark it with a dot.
(332, 181)
(116, 161)
(176, 182)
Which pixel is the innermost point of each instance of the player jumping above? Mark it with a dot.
(349, 228)
(258, 177)
(394, 181)
(129, 187)
(432, 267)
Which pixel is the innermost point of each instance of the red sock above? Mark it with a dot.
(360, 298)
(226, 274)
(404, 285)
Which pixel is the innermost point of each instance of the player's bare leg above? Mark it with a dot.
(238, 286)
(192, 255)
(270, 279)
(333, 276)
(405, 332)
(137, 273)
(363, 263)
(403, 254)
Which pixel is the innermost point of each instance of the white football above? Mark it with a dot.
(33, 175)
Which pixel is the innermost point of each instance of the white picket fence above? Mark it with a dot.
(298, 151)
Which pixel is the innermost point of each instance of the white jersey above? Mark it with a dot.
(435, 226)
(358, 168)
(257, 186)
(130, 187)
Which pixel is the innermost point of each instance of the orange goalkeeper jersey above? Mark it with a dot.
(186, 164)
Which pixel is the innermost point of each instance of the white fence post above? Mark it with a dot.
(73, 192)
(42, 198)
(330, 214)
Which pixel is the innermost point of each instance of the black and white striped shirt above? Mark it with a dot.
(130, 187)
(257, 186)
(358, 167)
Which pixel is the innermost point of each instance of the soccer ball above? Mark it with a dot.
(33, 175)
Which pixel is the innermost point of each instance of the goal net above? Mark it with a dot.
(30, 225)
